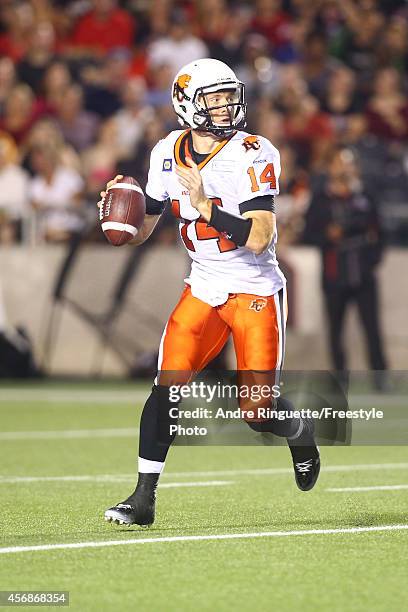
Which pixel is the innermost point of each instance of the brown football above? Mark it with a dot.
(122, 211)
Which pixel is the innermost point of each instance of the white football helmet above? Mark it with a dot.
(190, 87)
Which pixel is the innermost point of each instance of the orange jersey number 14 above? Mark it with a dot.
(267, 176)
(203, 230)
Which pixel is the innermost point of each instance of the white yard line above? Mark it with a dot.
(88, 478)
(203, 483)
(373, 488)
(109, 478)
(275, 471)
(362, 467)
(128, 432)
(202, 538)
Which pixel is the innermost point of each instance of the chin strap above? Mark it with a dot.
(214, 129)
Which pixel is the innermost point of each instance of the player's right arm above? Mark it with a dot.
(150, 221)
(156, 196)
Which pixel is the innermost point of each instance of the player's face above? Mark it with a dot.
(217, 103)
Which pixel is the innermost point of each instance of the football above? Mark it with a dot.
(122, 211)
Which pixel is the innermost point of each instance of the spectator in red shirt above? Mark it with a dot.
(7, 80)
(17, 20)
(56, 80)
(103, 28)
(213, 20)
(307, 128)
(306, 123)
(19, 112)
(39, 55)
(387, 109)
(273, 23)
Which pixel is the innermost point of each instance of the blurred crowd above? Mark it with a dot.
(85, 93)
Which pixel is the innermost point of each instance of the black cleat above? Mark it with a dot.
(307, 473)
(306, 458)
(139, 508)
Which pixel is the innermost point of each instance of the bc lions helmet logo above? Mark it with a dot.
(179, 87)
(258, 304)
(251, 142)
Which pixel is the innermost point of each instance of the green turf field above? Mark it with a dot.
(68, 452)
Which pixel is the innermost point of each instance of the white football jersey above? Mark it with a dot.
(240, 169)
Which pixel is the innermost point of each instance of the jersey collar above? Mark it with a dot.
(183, 147)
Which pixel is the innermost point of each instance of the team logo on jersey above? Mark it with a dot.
(167, 165)
(179, 87)
(251, 142)
(258, 304)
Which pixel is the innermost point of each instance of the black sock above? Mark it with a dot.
(155, 439)
(303, 446)
(284, 427)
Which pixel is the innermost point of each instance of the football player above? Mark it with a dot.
(221, 183)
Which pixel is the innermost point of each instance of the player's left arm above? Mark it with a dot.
(257, 185)
(262, 230)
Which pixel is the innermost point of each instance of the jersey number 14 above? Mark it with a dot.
(203, 230)
(267, 176)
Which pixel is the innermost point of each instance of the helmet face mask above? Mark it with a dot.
(195, 85)
(236, 107)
